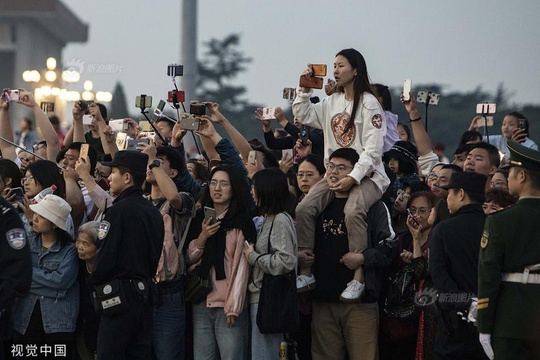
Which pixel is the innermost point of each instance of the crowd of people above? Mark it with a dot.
(148, 254)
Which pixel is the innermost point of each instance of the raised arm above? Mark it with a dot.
(6, 131)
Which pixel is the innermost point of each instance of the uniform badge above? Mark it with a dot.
(484, 241)
(16, 238)
(104, 227)
(376, 121)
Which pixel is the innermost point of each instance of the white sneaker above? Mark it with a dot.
(353, 292)
(305, 283)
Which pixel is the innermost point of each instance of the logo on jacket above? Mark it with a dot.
(104, 227)
(376, 121)
(16, 238)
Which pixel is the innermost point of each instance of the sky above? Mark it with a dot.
(461, 44)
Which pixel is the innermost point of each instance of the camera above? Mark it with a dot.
(143, 101)
(189, 123)
(197, 108)
(175, 70)
(83, 105)
(176, 96)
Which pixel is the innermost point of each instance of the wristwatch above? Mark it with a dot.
(155, 163)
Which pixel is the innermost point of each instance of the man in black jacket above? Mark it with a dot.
(132, 234)
(453, 260)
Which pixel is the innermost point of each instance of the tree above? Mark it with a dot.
(118, 106)
(222, 62)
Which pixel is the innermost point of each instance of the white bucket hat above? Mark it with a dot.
(53, 208)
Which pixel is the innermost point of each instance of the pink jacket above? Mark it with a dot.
(229, 293)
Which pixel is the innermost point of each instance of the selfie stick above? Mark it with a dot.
(23, 149)
(486, 126)
(163, 140)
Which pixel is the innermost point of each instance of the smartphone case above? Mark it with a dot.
(313, 83)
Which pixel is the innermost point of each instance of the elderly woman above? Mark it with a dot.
(87, 244)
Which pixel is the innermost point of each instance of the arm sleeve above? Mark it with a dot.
(282, 258)
(239, 274)
(308, 113)
(62, 277)
(274, 143)
(440, 269)
(489, 276)
(106, 256)
(380, 233)
(372, 138)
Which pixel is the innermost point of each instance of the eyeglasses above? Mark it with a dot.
(222, 183)
(36, 147)
(340, 168)
(498, 184)
(101, 174)
(25, 179)
(421, 211)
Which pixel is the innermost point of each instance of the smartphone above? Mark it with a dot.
(133, 143)
(87, 119)
(83, 153)
(19, 194)
(486, 108)
(407, 85)
(197, 108)
(480, 122)
(175, 70)
(522, 124)
(304, 134)
(319, 69)
(12, 95)
(312, 83)
(121, 140)
(176, 96)
(434, 99)
(145, 125)
(289, 93)
(413, 217)
(143, 101)
(210, 213)
(84, 104)
(117, 125)
(252, 157)
(189, 123)
(47, 106)
(287, 153)
(148, 135)
(246, 244)
(268, 113)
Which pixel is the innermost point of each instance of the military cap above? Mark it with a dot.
(523, 156)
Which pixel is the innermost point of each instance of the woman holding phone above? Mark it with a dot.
(220, 321)
(271, 194)
(350, 117)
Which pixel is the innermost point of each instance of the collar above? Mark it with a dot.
(134, 190)
(468, 209)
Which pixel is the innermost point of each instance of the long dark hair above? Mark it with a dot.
(272, 191)
(47, 173)
(239, 188)
(361, 81)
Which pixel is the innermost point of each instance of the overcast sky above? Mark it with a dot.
(460, 43)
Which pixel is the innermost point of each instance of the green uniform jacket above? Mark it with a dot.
(511, 241)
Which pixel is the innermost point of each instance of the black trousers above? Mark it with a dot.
(461, 344)
(506, 349)
(129, 335)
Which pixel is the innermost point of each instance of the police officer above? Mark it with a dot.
(509, 266)
(132, 234)
(15, 265)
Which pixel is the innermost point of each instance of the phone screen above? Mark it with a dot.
(407, 89)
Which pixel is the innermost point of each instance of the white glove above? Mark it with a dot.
(485, 341)
(473, 312)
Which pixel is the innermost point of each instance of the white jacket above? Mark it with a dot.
(332, 114)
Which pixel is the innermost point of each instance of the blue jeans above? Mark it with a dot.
(263, 346)
(213, 340)
(170, 322)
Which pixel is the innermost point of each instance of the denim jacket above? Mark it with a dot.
(54, 284)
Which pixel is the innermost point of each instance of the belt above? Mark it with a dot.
(525, 277)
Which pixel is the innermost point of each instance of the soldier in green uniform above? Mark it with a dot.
(509, 266)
